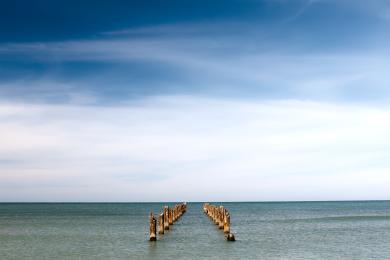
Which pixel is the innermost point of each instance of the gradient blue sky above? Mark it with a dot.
(271, 99)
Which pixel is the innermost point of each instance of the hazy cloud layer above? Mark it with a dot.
(194, 149)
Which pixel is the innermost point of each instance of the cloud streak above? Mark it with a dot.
(264, 58)
(198, 66)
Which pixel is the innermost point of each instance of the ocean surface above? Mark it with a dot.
(264, 230)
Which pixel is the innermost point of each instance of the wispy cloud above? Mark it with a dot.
(302, 9)
(262, 58)
(210, 66)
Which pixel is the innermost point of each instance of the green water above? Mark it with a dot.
(294, 230)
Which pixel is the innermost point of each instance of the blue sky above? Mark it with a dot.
(282, 100)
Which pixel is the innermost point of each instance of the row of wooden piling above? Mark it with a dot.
(165, 219)
(221, 217)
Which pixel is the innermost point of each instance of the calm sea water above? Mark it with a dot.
(293, 230)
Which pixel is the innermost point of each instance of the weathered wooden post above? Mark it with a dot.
(226, 223)
(160, 227)
(205, 208)
(174, 217)
(170, 216)
(216, 216)
(221, 216)
(152, 227)
(164, 220)
(166, 217)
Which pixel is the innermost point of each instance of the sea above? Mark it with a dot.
(263, 230)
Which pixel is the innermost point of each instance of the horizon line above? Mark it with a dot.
(215, 201)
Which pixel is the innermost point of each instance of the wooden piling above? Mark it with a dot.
(221, 217)
(226, 223)
(174, 213)
(160, 226)
(166, 217)
(152, 227)
(170, 216)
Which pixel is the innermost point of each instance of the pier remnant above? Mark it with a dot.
(152, 227)
(170, 216)
(226, 223)
(160, 226)
(165, 219)
(221, 217)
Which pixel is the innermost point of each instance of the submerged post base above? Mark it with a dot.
(230, 237)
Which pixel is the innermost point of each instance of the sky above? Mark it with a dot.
(250, 100)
